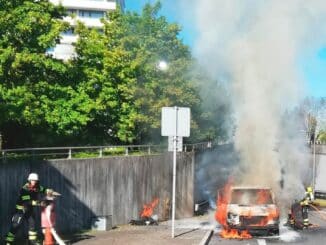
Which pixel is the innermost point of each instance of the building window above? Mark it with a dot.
(91, 14)
(71, 12)
(50, 50)
(69, 32)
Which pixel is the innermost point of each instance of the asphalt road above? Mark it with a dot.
(316, 235)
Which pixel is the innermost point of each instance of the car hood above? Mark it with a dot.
(252, 210)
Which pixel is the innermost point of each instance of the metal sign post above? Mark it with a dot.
(175, 139)
(171, 143)
(314, 166)
(176, 123)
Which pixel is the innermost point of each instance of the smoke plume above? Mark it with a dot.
(255, 46)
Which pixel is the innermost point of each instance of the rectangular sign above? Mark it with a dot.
(175, 121)
(171, 143)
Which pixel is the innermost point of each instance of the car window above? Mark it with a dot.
(251, 196)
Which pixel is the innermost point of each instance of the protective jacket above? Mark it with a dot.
(305, 202)
(309, 197)
(29, 196)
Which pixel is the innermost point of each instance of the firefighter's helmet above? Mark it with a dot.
(33, 176)
(309, 189)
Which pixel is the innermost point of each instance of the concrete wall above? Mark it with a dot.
(321, 167)
(117, 186)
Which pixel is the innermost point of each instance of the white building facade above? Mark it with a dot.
(89, 12)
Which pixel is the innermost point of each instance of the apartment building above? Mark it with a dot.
(89, 12)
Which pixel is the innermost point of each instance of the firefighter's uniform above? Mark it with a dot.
(305, 202)
(298, 216)
(25, 209)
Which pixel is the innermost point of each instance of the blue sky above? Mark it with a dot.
(314, 69)
(312, 64)
(169, 10)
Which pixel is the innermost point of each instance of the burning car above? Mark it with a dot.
(253, 210)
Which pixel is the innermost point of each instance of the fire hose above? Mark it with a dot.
(322, 216)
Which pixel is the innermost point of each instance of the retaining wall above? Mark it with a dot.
(117, 186)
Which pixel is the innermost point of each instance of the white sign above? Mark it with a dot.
(175, 124)
(175, 121)
(171, 143)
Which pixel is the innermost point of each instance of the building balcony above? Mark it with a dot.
(89, 22)
(68, 39)
(62, 51)
(87, 4)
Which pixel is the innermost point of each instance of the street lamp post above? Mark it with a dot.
(314, 163)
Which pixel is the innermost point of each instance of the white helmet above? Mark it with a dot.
(32, 176)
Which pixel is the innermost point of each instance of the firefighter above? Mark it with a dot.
(29, 198)
(298, 215)
(305, 202)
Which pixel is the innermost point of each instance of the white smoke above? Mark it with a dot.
(255, 45)
(289, 235)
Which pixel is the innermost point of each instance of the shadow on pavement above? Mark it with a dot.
(71, 239)
(186, 232)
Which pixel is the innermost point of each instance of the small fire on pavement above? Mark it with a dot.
(146, 215)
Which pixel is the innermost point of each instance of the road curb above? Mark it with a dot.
(206, 238)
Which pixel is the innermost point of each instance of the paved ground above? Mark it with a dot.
(188, 231)
(287, 236)
(192, 231)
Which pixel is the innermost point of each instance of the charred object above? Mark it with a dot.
(247, 211)
(144, 221)
(201, 207)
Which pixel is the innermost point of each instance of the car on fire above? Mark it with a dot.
(253, 209)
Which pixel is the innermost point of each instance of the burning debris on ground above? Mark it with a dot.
(202, 207)
(147, 216)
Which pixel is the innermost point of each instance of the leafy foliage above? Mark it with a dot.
(322, 136)
(123, 62)
(313, 111)
(111, 92)
(36, 97)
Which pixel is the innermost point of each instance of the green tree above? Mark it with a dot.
(322, 136)
(38, 103)
(111, 92)
(104, 71)
(215, 118)
(313, 111)
(122, 61)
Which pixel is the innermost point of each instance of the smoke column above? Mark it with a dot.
(255, 46)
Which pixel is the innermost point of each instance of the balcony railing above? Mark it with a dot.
(86, 4)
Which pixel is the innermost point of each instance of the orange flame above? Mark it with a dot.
(263, 197)
(235, 234)
(149, 208)
(224, 196)
(272, 214)
(223, 199)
